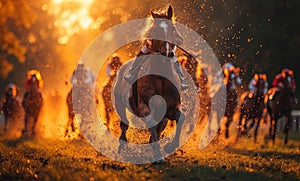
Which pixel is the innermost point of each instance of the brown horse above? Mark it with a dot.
(111, 72)
(280, 103)
(81, 79)
(252, 108)
(32, 101)
(151, 83)
(200, 79)
(232, 80)
(13, 111)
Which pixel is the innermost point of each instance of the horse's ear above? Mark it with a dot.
(170, 12)
(153, 14)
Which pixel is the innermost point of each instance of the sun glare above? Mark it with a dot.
(72, 16)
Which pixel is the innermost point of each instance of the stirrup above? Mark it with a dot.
(129, 78)
(184, 86)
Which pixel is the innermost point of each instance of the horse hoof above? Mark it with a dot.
(121, 147)
(226, 135)
(160, 161)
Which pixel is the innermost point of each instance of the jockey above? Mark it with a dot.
(253, 83)
(113, 66)
(133, 70)
(11, 91)
(277, 82)
(226, 70)
(82, 75)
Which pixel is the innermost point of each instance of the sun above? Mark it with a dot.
(72, 17)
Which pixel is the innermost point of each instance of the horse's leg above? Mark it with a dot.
(154, 138)
(228, 122)
(240, 126)
(33, 130)
(72, 119)
(170, 147)
(70, 124)
(274, 131)
(6, 124)
(107, 116)
(256, 129)
(121, 110)
(287, 125)
(250, 126)
(25, 130)
(160, 127)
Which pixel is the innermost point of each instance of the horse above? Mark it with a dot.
(231, 97)
(81, 81)
(13, 111)
(279, 104)
(251, 107)
(150, 85)
(32, 101)
(200, 79)
(111, 72)
(71, 114)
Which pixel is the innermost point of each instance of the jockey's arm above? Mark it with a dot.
(266, 86)
(251, 85)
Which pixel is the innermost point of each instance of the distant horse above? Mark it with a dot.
(280, 102)
(200, 79)
(111, 72)
(252, 107)
(232, 80)
(149, 85)
(32, 101)
(106, 95)
(81, 80)
(71, 114)
(12, 110)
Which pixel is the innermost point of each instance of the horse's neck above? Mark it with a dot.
(33, 91)
(284, 93)
(230, 83)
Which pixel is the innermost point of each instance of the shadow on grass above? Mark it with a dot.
(201, 172)
(266, 154)
(14, 142)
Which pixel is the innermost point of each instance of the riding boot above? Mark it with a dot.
(133, 70)
(180, 74)
(131, 74)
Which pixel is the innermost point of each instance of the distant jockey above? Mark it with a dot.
(253, 84)
(82, 76)
(278, 81)
(113, 66)
(227, 69)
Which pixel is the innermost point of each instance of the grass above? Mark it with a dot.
(25, 159)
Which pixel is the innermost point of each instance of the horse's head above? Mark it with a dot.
(162, 27)
(34, 80)
(11, 91)
(260, 83)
